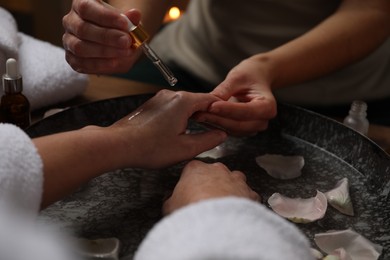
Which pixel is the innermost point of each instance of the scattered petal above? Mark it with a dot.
(355, 245)
(297, 209)
(281, 166)
(339, 197)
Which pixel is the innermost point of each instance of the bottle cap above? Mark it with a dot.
(12, 80)
(359, 106)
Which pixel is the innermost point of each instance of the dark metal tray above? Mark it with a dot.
(126, 203)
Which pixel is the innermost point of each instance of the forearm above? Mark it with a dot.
(72, 158)
(152, 11)
(356, 29)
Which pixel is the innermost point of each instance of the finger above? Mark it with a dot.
(255, 109)
(188, 102)
(83, 30)
(134, 16)
(224, 90)
(221, 166)
(195, 164)
(191, 168)
(87, 49)
(233, 127)
(239, 175)
(100, 14)
(197, 101)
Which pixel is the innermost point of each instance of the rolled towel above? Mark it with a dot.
(21, 170)
(47, 77)
(9, 39)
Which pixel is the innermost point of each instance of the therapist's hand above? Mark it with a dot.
(200, 181)
(247, 101)
(96, 39)
(154, 135)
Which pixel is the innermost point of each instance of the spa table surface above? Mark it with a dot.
(105, 87)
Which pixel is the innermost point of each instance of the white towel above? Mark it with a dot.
(21, 170)
(47, 77)
(224, 229)
(9, 39)
(21, 187)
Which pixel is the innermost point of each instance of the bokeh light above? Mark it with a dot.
(174, 13)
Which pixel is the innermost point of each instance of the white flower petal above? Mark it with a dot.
(297, 209)
(281, 166)
(339, 197)
(355, 245)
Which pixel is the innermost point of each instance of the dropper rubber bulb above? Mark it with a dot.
(12, 70)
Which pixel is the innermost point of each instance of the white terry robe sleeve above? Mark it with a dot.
(225, 228)
(21, 169)
(21, 184)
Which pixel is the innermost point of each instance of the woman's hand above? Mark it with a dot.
(200, 181)
(96, 38)
(247, 103)
(155, 134)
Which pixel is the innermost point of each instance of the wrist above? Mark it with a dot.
(110, 146)
(268, 67)
(123, 145)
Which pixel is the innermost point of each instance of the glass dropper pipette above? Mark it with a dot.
(140, 37)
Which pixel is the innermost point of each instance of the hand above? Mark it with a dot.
(247, 101)
(157, 130)
(96, 38)
(153, 136)
(200, 181)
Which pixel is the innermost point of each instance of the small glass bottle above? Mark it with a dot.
(14, 107)
(357, 117)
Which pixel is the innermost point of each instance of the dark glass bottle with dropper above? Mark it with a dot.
(15, 107)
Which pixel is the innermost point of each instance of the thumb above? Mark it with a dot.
(134, 16)
(224, 90)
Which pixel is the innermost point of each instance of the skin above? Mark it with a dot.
(150, 139)
(200, 181)
(355, 29)
(96, 39)
(333, 44)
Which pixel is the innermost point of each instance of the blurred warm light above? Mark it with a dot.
(174, 13)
